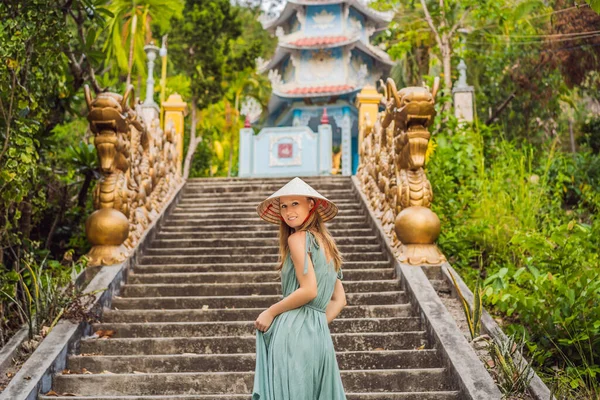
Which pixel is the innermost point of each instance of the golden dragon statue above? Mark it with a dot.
(138, 162)
(391, 171)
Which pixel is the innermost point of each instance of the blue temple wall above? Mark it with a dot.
(329, 20)
(293, 151)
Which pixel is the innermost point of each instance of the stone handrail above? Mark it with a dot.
(392, 147)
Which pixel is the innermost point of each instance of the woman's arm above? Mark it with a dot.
(337, 302)
(299, 297)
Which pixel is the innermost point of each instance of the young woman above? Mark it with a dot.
(295, 358)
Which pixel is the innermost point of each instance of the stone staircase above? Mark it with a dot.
(183, 323)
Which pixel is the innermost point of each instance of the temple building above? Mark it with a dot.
(323, 59)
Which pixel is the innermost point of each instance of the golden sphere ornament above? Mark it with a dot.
(417, 225)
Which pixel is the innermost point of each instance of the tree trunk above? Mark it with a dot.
(193, 142)
(572, 136)
(131, 46)
(83, 192)
(59, 216)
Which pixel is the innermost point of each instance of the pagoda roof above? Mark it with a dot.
(381, 19)
(315, 91)
(317, 42)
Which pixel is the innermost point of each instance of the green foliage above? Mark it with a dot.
(530, 214)
(199, 46)
(513, 378)
(39, 293)
(595, 4)
(136, 17)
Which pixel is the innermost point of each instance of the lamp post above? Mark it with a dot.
(151, 53)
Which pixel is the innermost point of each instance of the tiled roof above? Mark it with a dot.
(319, 40)
(320, 89)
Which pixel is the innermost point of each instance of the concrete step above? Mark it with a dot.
(243, 314)
(245, 344)
(445, 395)
(271, 234)
(245, 202)
(339, 192)
(241, 328)
(242, 267)
(245, 207)
(256, 188)
(250, 240)
(393, 380)
(146, 303)
(347, 360)
(251, 250)
(234, 289)
(258, 227)
(253, 220)
(235, 212)
(173, 259)
(248, 277)
(249, 200)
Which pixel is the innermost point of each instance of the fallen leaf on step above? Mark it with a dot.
(52, 393)
(105, 334)
(421, 347)
(66, 371)
(378, 349)
(85, 371)
(107, 372)
(9, 374)
(69, 394)
(205, 307)
(138, 372)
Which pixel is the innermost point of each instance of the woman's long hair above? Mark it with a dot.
(315, 225)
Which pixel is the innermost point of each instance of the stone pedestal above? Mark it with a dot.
(463, 96)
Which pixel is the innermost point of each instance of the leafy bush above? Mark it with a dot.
(529, 213)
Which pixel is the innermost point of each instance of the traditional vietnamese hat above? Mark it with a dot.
(269, 208)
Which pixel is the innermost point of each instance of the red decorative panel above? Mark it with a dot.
(285, 150)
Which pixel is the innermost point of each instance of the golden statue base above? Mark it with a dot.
(106, 255)
(419, 254)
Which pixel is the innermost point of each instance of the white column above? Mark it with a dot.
(246, 152)
(325, 142)
(151, 52)
(346, 142)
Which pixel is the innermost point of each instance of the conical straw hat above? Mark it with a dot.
(269, 208)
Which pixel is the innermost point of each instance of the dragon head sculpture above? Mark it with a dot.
(110, 116)
(412, 111)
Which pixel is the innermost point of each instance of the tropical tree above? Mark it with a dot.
(130, 28)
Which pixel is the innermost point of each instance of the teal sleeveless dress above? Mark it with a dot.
(295, 358)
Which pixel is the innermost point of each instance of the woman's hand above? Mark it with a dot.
(264, 320)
